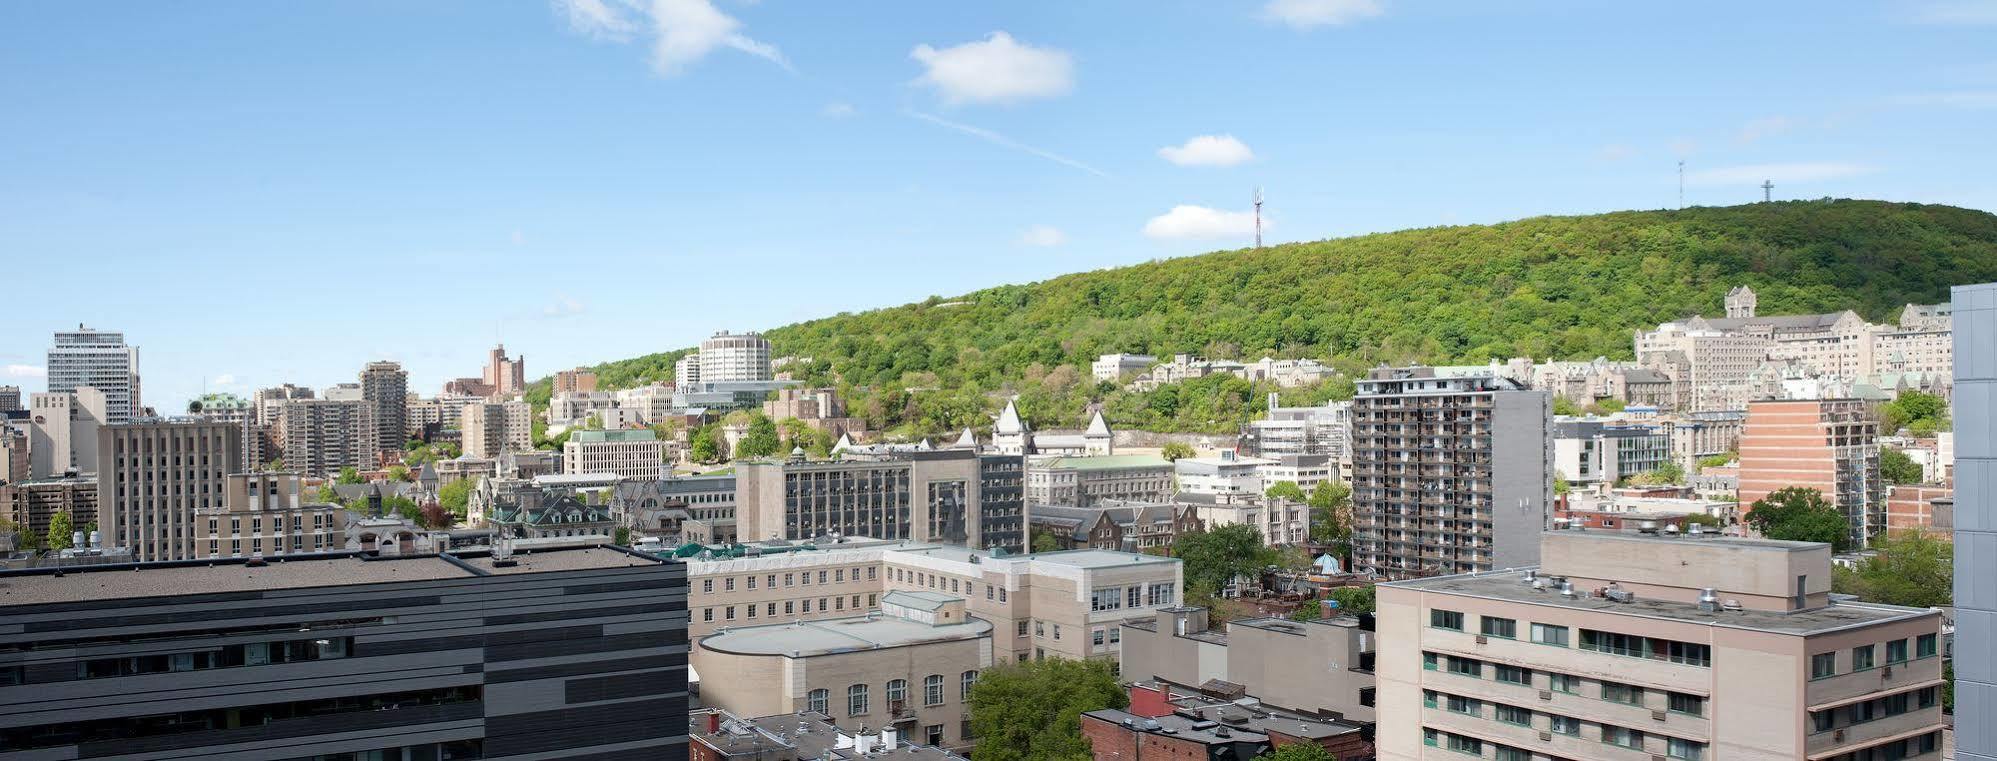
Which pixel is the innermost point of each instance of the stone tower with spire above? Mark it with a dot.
(1740, 302)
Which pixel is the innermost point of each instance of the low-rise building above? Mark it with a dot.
(1630, 647)
(31, 504)
(918, 494)
(1280, 522)
(1596, 453)
(1130, 526)
(635, 453)
(1264, 657)
(1921, 507)
(1199, 728)
(1113, 367)
(579, 380)
(1828, 445)
(265, 514)
(1226, 474)
(803, 736)
(1086, 481)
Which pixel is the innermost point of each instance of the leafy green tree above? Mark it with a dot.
(61, 526)
(1175, 450)
(1331, 501)
(456, 497)
(1897, 468)
(1560, 484)
(1800, 514)
(622, 537)
(1911, 568)
(1299, 751)
(1044, 541)
(1213, 558)
(347, 475)
(400, 473)
(1919, 412)
(1718, 460)
(1031, 710)
(326, 495)
(592, 423)
(705, 444)
(1701, 519)
(1354, 600)
(760, 440)
(1565, 406)
(1285, 490)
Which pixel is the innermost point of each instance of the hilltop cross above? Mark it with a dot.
(1767, 188)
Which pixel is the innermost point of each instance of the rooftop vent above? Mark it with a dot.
(1731, 605)
(1566, 588)
(1530, 576)
(1709, 599)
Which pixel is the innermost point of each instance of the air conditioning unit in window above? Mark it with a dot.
(1546, 737)
(1483, 640)
(1886, 673)
(1545, 694)
(1837, 736)
(1657, 715)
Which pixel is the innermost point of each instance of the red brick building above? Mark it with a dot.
(1201, 729)
(1912, 506)
(1830, 445)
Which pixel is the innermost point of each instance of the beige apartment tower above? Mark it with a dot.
(1635, 647)
(154, 476)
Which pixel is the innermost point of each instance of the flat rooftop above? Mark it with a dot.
(814, 737)
(1509, 585)
(838, 635)
(114, 581)
(1099, 558)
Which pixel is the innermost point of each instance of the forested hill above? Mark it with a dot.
(1559, 287)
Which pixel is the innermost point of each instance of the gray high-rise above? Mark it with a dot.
(385, 386)
(1975, 521)
(1452, 472)
(101, 360)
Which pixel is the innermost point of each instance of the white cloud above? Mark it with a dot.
(999, 139)
(1208, 150)
(1043, 236)
(1958, 99)
(1614, 152)
(1956, 12)
(564, 306)
(1682, 146)
(997, 69)
(681, 31)
(519, 238)
(1186, 221)
(225, 379)
(27, 371)
(837, 110)
(1306, 14)
(1755, 174)
(1767, 126)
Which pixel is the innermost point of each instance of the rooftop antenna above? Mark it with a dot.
(1767, 189)
(1258, 217)
(1681, 183)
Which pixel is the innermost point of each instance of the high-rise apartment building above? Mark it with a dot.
(729, 357)
(321, 436)
(505, 377)
(1976, 520)
(489, 428)
(266, 401)
(686, 373)
(1830, 445)
(635, 453)
(100, 360)
(155, 475)
(1451, 473)
(385, 386)
(921, 495)
(1634, 647)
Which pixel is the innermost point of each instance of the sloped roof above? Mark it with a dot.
(1098, 426)
(1008, 420)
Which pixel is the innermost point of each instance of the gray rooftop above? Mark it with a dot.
(812, 736)
(802, 639)
(919, 599)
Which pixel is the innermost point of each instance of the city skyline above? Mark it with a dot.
(443, 151)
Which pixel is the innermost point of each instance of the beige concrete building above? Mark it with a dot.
(1637, 647)
(1322, 666)
(959, 496)
(321, 436)
(489, 428)
(1281, 522)
(1064, 604)
(909, 665)
(385, 386)
(1086, 481)
(631, 453)
(1829, 445)
(265, 514)
(155, 476)
(32, 504)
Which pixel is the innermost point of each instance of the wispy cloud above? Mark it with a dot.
(1043, 236)
(997, 69)
(1308, 14)
(681, 32)
(837, 110)
(1767, 126)
(519, 238)
(1208, 150)
(1614, 152)
(27, 371)
(1971, 99)
(563, 306)
(996, 138)
(225, 379)
(1954, 12)
(1755, 174)
(1186, 221)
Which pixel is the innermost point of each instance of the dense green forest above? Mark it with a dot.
(1547, 287)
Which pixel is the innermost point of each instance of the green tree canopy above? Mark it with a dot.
(347, 475)
(1176, 450)
(760, 440)
(400, 473)
(1799, 514)
(705, 444)
(1299, 751)
(61, 526)
(1354, 600)
(1921, 413)
(1285, 490)
(1897, 468)
(1031, 711)
(1330, 502)
(456, 497)
(1912, 568)
(1214, 557)
(1044, 541)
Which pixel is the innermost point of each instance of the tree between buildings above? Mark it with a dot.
(1911, 568)
(1897, 468)
(1800, 514)
(60, 528)
(1175, 450)
(1215, 557)
(1032, 710)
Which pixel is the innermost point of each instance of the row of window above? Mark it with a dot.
(1874, 709)
(1630, 645)
(835, 576)
(1896, 750)
(791, 607)
(1863, 657)
(1115, 598)
(1614, 692)
(858, 696)
(124, 728)
(227, 656)
(1610, 734)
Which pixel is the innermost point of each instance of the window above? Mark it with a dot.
(1134, 597)
(1546, 634)
(790, 579)
(1617, 692)
(707, 614)
(1445, 619)
(856, 700)
(1498, 627)
(1428, 698)
(1861, 658)
(1466, 667)
(1896, 651)
(707, 586)
(1515, 675)
(1690, 705)
(1057, 631)
(1686, 749)
(1468, 745)
(1924, 646)
(752, 582)
(1001, 594)
(1567, 683)
(1106, 599)
(932, 690)
(1507, 753)
(729, 614)
(1429, 737)
(1823, 665)
(818, 701)
(1627, 738)
(1566, 725)
(728, 584)
(1463, 705)
(964, 685)
(1097, 637)
(897, 693)
(1115, 634)
(1039, 628)
(1022, 627)
(1429, 661)
(1514, 715)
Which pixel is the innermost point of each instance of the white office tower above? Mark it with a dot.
(100, 360)
(734, 357)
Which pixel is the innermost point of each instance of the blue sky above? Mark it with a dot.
(259, 193)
